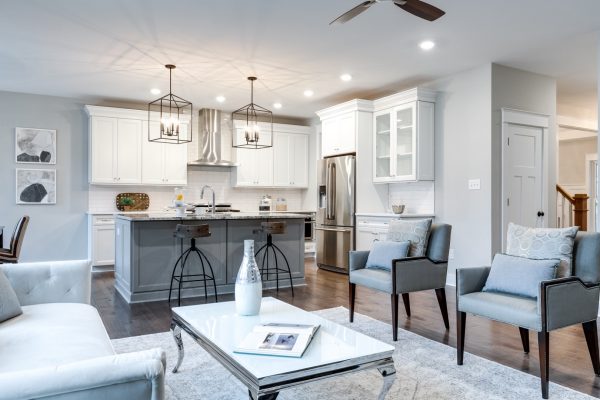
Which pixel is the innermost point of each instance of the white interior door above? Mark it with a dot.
(524, 178)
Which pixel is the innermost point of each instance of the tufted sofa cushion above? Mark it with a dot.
(51, 282)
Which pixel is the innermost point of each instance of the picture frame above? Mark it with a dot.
(35, 186)
(35, 146)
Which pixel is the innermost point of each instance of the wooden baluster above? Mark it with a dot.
(581, 210)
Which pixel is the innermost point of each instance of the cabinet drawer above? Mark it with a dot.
(103, 220)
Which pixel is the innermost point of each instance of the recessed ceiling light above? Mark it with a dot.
(427, 45)
(346, 77)
(155, 91)
(277, 105)
(308, 93)
(220, 99)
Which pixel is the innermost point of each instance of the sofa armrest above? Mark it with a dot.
(358, 259)
(51, 282)
(470, 280)
(567, 301)
(412, 274)
(133, 376)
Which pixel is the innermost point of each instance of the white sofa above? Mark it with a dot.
(58, 348)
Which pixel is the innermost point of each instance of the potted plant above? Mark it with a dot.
(127, 203)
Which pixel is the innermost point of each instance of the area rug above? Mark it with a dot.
(425, 370)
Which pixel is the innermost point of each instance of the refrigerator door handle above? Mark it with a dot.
(327, 191)
(334, 229)
(333, 190)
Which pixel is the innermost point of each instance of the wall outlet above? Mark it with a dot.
(451, 254)
(474, 184)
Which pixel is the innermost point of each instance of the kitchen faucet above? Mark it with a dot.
(213, 196)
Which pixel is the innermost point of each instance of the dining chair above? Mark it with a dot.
(11, 255)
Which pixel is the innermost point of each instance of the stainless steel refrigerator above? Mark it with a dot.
(336, 181)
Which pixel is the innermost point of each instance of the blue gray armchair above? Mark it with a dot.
(560, 303)
(407, 275)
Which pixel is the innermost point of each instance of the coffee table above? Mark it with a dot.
(335, 350)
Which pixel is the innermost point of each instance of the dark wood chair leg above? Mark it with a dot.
(441, 298)
(406, 301)
(524, 339)
(461, 319)
(590, 329)
(544, 346)
(352, 288)
(395, 316)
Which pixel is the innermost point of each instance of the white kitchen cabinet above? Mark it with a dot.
(403, 143)
(339, 134)
(255, 166)
(290, 160)
(163, 163)
(101, 247)
(368, 231)
(120, 153)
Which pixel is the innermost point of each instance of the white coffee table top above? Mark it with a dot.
(223, 329)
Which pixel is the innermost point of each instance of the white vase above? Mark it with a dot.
(248, 285)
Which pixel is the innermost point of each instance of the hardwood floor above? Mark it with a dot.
(570, 363)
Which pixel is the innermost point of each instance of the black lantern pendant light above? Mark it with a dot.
(172, 112)
(251, 116)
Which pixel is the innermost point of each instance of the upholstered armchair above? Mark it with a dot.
(561, 302)
(407, 275)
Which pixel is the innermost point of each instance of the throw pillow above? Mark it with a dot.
(519, 275)
(383, 252)
(543, 243)
(9, 303)
(415, 231)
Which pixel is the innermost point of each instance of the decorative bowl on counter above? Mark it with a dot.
(398, 208)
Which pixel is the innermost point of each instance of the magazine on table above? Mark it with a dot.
(275, 339)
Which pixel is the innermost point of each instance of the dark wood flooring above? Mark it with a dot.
(570, 363)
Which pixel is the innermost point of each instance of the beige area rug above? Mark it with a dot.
(425, 370)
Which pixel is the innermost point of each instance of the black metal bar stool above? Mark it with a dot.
(192, 232)
(273, 228)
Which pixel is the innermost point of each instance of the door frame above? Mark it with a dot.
(530, 119)
(591, 182)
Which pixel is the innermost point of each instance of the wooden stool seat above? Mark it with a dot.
(191, 231)
(273, 228)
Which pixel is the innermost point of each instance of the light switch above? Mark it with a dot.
(474, 184)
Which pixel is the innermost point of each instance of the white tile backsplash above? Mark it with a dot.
(102, 198)
(418, 197)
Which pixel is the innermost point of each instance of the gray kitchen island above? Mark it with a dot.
(146, 251)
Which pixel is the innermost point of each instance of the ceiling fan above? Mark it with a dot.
(415, 7)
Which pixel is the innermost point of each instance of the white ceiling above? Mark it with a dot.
(116, 49)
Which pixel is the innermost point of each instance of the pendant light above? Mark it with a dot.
(256, 128)
(170, 117)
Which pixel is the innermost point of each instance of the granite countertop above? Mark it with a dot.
(194, 217)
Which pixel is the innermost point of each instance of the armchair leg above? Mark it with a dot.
(395, 316)
(441, 298)
(461, 319)
(590, 329)
(406, 301)
(524, 339)
(352, 288)
(544, 346)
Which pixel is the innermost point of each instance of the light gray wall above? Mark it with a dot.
(521, 90)
(462, 152)
(571, 160)
(56, 232)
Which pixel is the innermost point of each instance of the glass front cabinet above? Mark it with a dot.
(403, 143)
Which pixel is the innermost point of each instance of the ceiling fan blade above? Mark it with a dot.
(348, 15)
(420, 9)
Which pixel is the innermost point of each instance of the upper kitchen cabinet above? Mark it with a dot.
(340, 126)
(163, 163)
(403, 137)
(120, 153)
(284, 165)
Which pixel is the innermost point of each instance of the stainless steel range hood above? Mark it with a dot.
(209, 140)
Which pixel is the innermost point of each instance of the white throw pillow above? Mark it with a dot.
(543, 243)
(415, 231)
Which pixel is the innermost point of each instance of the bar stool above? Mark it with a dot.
(192, 232)
(273, 228)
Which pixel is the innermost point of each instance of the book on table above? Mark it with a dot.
(277, 339)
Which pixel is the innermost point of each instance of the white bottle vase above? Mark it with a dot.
(248, 285)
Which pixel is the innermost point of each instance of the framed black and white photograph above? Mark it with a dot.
(36, 186)
(35, 146)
